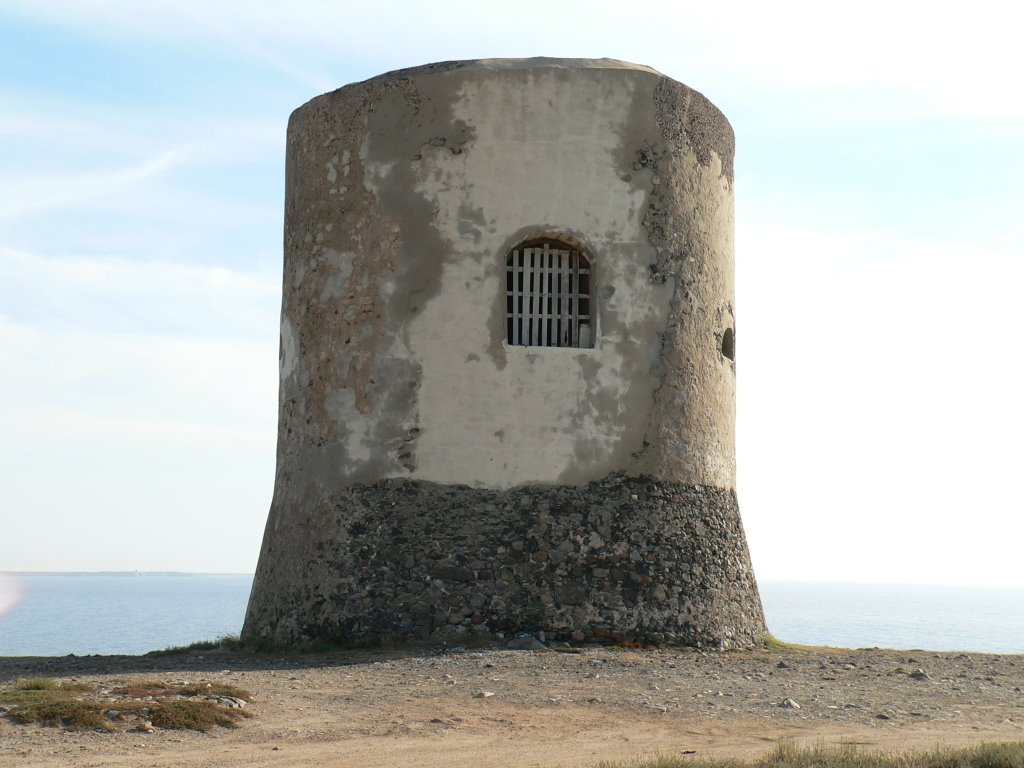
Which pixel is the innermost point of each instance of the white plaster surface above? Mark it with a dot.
(406, 372)
(542, 155)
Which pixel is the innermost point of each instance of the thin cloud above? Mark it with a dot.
(33, 194)
(226, 31)
(49, 125)
(41, 129)
(125, 296)
(234, 27)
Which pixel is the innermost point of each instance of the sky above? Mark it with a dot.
(879, 242)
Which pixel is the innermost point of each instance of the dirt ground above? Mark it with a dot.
(540, 708)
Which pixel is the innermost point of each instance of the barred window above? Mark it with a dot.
(548, 295)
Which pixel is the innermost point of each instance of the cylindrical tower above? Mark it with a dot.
(507, 362)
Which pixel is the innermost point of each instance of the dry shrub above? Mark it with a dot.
(160, 688)
(789, 755)
(51, 702)
(69, 713)
(42, 690)
(214, 689)
(193, 715)
(36, 684)
(142, 688)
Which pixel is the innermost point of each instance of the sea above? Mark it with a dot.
(56, 614)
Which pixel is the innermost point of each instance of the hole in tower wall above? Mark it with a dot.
(729, 344)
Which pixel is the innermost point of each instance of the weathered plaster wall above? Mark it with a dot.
(404, 195)
(586, 492)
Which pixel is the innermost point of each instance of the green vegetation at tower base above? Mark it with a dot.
(260, 644)
(772, 643)
(788, 755)
(326, 645)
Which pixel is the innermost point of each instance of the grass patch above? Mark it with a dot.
(788, 755)
(142, 688)
(234, 644)
(51, 702)
(16, 698)
(42, 690)
(318, 645)
(194, 715)
(73, 714)
(215, 689)
(772, 643)
(37, 684)
(49, 684)
(225, 643)
(162, 689)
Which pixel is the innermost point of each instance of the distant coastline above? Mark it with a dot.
(823, 583)
(126, 573)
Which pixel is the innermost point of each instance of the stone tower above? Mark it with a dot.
(507, 362)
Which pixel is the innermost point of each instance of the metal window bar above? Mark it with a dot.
(536, 315)
(514, 281)
(544, 298)
(542, 295)
(563, 304)
(575, 305)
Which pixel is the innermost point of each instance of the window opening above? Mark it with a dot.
(729, 344)
(547, 296)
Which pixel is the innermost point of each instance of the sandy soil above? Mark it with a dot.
(541, 708)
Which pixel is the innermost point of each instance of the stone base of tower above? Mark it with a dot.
(619, 559)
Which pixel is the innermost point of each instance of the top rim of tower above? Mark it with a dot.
(496, 65)
(697, 116)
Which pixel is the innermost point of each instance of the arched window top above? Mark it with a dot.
(548, 295)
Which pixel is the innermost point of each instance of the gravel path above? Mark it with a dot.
(541, 708)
